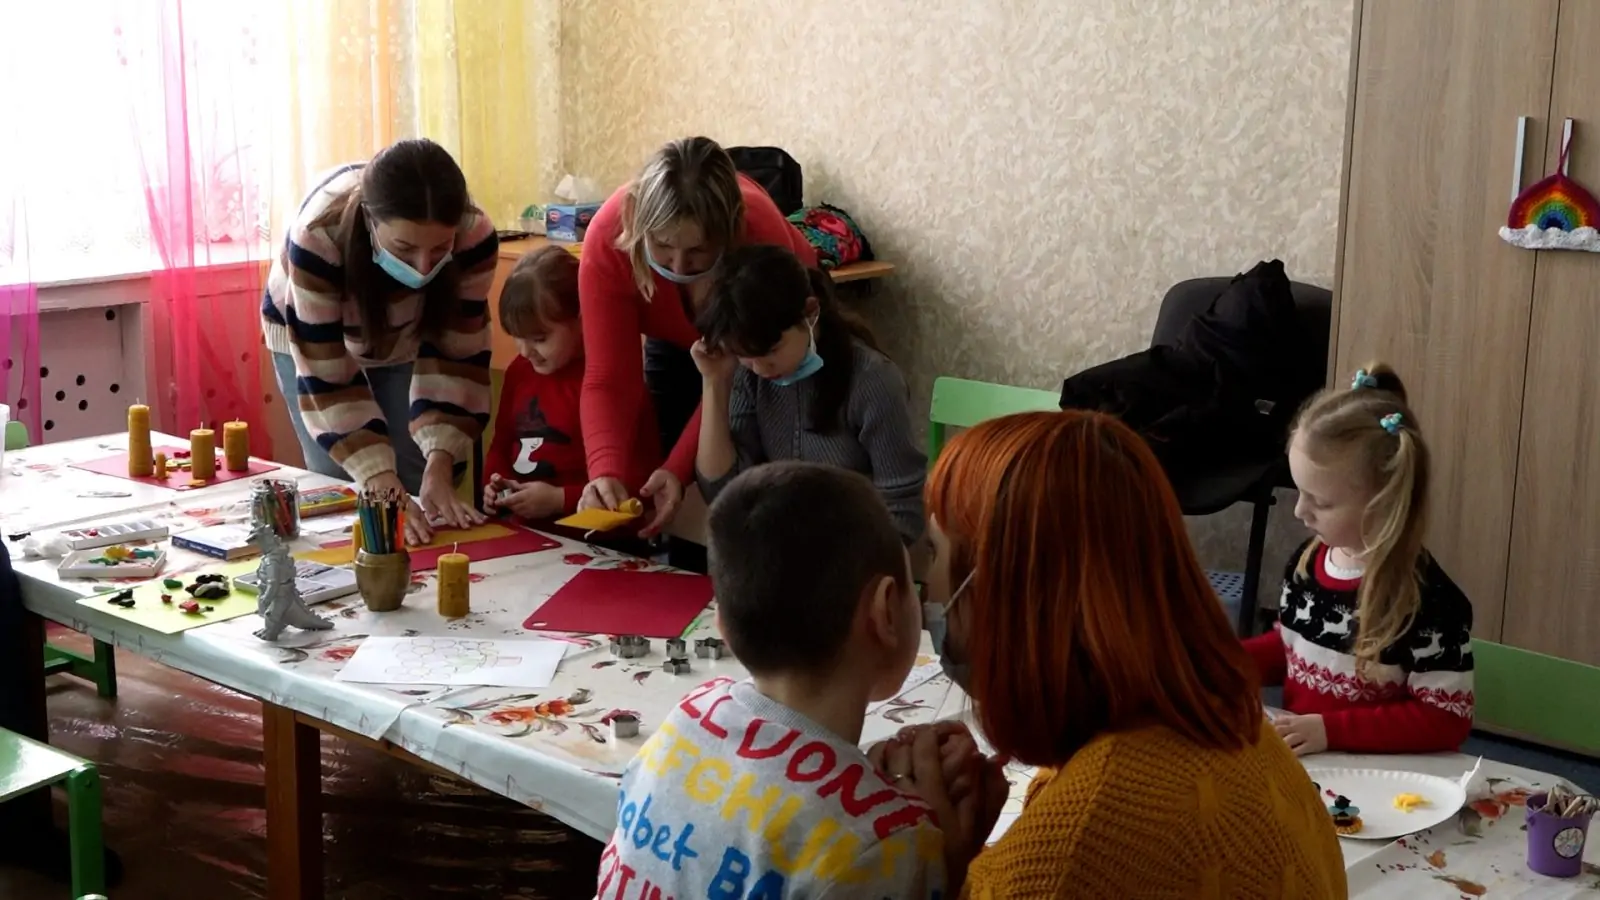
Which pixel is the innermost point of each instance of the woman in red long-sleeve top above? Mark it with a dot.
(649, 257)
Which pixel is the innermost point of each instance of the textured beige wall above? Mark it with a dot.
(1039, 171)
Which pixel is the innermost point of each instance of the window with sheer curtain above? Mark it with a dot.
(172, 137)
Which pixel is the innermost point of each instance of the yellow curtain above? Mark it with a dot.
(478, 76)
(488, 89)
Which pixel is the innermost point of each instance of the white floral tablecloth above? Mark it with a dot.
(549, 748)
(552, 749)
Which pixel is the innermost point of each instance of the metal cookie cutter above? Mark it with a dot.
(676, 666)
(624, 726)
(710, 648)
(676, 649)
(630, 646)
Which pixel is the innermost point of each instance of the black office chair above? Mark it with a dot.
(1247, 481)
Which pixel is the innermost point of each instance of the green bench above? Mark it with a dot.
(26, 765)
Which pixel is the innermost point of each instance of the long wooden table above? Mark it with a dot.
(550, 748)
(547, 748)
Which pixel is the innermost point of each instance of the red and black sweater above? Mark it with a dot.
(1417, 698)
(537, 436)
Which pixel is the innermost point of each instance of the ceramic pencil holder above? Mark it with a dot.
(1555, 843)
(383, 579)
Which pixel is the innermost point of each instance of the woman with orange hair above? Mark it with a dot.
(1094, 648)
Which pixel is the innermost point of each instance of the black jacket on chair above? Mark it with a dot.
(1224, 388)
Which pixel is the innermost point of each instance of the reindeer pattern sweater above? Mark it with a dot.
(1417, 698)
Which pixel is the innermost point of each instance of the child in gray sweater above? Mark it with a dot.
(758, 788)
(790, 375)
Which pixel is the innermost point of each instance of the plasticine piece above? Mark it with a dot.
(172, 584)
(190, 606)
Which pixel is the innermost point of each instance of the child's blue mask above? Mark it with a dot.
(810, 364)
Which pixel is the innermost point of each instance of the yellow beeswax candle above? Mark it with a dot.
(160, 467)
(140, 462)
(455, 584)
(236, 446)
(202, 454)
(357, 539)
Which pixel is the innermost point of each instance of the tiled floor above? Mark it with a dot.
(181, 763)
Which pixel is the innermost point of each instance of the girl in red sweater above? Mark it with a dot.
(534, 468)
(648, 261)
(1373, 645)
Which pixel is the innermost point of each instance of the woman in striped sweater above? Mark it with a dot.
(376, 316)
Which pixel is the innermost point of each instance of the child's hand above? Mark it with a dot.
(715, 365)
(491, 491)
(1303, 734)
(535, 500)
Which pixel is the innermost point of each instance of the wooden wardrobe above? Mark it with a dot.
(1499, 346)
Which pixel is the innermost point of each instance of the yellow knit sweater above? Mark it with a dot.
(1147, 813)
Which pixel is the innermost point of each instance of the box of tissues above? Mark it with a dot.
(566, 220)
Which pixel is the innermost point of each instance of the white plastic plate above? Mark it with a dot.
(1374, 790)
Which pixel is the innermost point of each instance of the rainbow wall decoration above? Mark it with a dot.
(1556, 213)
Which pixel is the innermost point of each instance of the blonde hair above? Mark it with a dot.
(1370, 428)
(687, 180)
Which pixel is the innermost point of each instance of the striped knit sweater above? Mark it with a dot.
(874, 438)
(305, 314)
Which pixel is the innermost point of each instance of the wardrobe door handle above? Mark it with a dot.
(1516, 158)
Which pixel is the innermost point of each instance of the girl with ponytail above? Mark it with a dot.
(787, 373)
(1374, 641)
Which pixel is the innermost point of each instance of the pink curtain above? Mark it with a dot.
(195, 89)
(19, 301)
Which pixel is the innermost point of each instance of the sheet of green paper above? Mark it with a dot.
(149, 612)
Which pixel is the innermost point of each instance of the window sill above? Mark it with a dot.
(230, 269)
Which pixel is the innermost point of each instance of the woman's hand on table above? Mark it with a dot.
(417, 530)
(665, 492)
(440, 504)
(1303, 734)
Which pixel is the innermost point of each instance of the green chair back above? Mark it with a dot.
(1539, 698)
(16, 435)
(960, 403)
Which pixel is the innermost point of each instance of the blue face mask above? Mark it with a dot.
(935, 618)
(674, 277)
(400, 270)
(809, 364)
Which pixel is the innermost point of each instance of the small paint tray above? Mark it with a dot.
(81, 564)
(114, 533)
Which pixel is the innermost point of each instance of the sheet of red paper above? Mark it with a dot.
(616, 601)
(520, 540)
(177, 479)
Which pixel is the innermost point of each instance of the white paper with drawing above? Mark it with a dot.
(456, 661)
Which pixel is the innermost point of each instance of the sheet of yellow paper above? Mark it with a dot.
(343, 556)
(149, 612)
(597, 519)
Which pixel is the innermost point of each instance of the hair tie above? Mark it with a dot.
(1363, 380)
(1392, 422)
